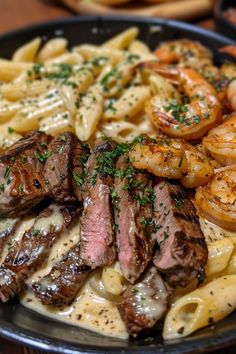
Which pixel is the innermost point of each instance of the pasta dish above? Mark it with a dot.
(118, 184)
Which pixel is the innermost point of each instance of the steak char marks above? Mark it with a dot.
(22, 183)
(97, 244)
(64, 168)
(145, 302)
(61, 285)
(133, 201)
(29, 254)
(183, 252)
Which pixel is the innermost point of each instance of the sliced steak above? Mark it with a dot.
(61, 285)
(144, 303)
(22, 184)
(97, 245)
(7, 228)
(183, 251)
(133, 202)
(26, 256)
(64, 169)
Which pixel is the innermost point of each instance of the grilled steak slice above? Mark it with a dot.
(64, 169)
(22, 184)
(97, 246)
(7, 227)
(61, 285)
(145, 302)
(183, 251)
(25, 257)
(133, 217)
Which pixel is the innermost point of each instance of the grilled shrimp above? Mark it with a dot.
(178, 119)
(185, 53)
(172, 158)
(216, 200)
(221, 142)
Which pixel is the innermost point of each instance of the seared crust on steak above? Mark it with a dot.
(64, 168)
(22, 183)
(61, 285)
(144, 303)
(28, 255)
(182, 252)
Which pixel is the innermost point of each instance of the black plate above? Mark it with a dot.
(26, 327)
(223, 25)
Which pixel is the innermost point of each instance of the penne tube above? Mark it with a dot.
(15, 91)
(89, 113)
(27, 52)
(112, 280)
(65, 58)
(219, 253)
(56, 124)
(139, 47)
(122, 40)
(129, 104)
(8, 110)
(88, 51)
(52, 49)
(29, 116)
(9, 70)
(203, 306)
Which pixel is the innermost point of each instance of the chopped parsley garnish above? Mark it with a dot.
(10, 130)
(35, 232)
(79, 179)
(178, 199)
(106, 80)
(42, 157)
(7, 172)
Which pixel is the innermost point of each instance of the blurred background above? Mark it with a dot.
(17, 13)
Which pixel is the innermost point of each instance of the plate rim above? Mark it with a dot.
(21, 336)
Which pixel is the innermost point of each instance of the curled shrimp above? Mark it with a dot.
(172, 158)
(221, 142)
(164, 157)
(185, 53)
(216, 200)
(178, 119)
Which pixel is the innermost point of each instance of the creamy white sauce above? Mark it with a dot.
(213, 232)
(146, 297)
(6, 223)
(58, 251)
(54, 219)
(88, 311)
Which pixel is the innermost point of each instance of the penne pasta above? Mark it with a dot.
(27, 52)
(56, 124)
(53, 48)
(91, 51)
(89, 113)
(219, 255)
(29, 116)
(203, 306)
(9, 70)
(128, 105)
(112, 280)
(122, 40)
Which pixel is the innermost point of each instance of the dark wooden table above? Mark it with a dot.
(17, 13)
